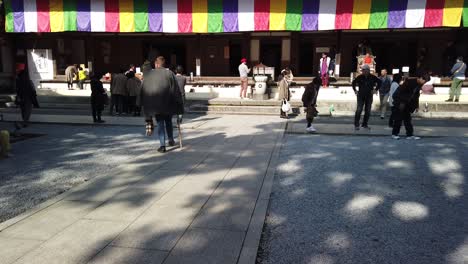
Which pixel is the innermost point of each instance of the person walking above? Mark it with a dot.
(284, 93)
(406, 102)
(368, 85)
(458, 76)
(395, 85)
(98, 97)
(26, 97)
(384, 92)
(244, 73)
(118, 92)
(309, 100)
(70, 75)
(324, 65)
(161, 98)
(134, 90)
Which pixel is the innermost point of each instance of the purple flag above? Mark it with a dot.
(18, 15)
(397, 13)
(155, 16)
(230, 16)
(310, 14)
(83, 15)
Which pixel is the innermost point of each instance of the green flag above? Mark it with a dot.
(379, 14)
(215, 16)
(465, 14)
(69, 15)
(141, 15)
(294, 15)
(9, 21)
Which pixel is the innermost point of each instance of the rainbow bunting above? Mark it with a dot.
(217, 16)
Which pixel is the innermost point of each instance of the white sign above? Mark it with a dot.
(40, 65)
(405, 69)
(138, 70)
(395, 71)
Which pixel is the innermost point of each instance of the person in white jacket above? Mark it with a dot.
(244, 73)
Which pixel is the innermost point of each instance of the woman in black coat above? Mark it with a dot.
(309, 99)
(26, 96)
(98, 97)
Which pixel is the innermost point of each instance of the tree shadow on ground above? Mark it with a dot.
(341, 199)
(205, 193)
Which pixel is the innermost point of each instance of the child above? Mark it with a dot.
(81, 78)
(309, 99)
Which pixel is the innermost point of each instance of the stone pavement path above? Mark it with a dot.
(189, 206)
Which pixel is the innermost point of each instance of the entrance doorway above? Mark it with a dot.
(395, 55)
(270, 54)
(173, 52)
(307, 59)
(235, 56)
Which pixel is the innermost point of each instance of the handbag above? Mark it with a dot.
(285, 107)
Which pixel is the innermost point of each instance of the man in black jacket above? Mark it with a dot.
(368, 85)
(161, 98)
(406, 102)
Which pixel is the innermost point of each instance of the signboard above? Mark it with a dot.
(322, 50)
(40, 65)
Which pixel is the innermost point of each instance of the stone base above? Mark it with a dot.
(260, 97)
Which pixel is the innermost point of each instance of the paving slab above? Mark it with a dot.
(50, 221)
(12, 249)
(161, 179)
(227, 212)
(207, 246)
(76, 244)
(159, 228)
(127, 205)
(120, 255)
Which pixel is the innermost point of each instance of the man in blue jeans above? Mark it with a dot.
(161, 98)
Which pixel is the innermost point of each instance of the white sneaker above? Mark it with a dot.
(395, 137)
(413, 138)
(311, 129)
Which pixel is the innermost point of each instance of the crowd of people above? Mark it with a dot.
(161, 94)
(401, 94)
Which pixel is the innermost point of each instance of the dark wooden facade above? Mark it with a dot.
(219, 54)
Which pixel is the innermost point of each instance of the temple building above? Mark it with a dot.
(209, 37)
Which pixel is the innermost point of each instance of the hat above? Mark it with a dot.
(244, 60)
(20, 66)
(365, 67)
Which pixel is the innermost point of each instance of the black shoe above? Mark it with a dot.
(95, 121)
(101, 121)
(171, 143)
(366, 127)
(457, 100)
(162, 149)
(357, 128)
(449, 100)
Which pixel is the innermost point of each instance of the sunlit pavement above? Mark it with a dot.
(130, 204)
(348, 199)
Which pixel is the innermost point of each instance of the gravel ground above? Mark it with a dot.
(341, 199)
(66, 156)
